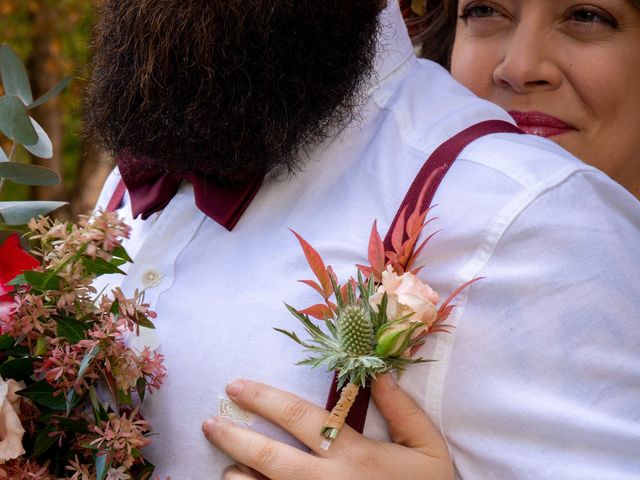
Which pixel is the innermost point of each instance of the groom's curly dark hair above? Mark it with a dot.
(230, 89)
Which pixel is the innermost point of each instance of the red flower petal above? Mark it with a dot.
(13, 261)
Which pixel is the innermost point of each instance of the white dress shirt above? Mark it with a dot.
(540, 379)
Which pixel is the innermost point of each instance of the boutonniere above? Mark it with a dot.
(374, 322)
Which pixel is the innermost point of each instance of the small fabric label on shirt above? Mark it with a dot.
(232, 411)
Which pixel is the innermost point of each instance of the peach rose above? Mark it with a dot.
(11, 430)
(407, 296)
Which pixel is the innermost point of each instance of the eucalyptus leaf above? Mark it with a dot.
(15, 122)
(18, 213)
(55, 90)
(43, 147)
(15, 80)
(26, 174)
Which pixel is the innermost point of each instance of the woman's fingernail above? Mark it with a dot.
(209, 426)
(235, 388)
(391, 381)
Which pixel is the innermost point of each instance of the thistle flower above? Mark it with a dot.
(355, 331)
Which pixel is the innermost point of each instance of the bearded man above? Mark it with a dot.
(235, 121)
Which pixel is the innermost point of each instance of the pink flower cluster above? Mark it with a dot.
(76, 342)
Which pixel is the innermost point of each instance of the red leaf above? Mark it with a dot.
(457, 291)
(398, 231)
(366, 271)
(313, 285)
(376, 251)
(319, 311)
(443, 313)
(317, 266)
(416, 253)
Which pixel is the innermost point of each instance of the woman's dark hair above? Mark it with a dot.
(434, 30)
(436, 39)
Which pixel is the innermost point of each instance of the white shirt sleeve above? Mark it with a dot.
(543, 381)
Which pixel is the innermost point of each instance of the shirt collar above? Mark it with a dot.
(393, 45)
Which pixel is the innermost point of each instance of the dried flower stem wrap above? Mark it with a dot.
(338, 415)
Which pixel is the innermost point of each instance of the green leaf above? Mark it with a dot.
(39, 280)
(26, 174)
(15, 80)
(43, 147)
(143, 321)
(86, 361)
(75, 426)
(42, 393)
(41, 346)
(43, 442)
(6, 342)
(15, 122)
(120, 252)
(18, 213)
(141, 388)
(103, 461)
(124, 398)
(18, 368)
(55, 90)
(99, 266)
(115, 309)
(71, 329)
(99, 413)
(146, 472)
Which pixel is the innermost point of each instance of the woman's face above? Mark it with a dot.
(565, 69)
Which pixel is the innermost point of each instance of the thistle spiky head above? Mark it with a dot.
(355, 330)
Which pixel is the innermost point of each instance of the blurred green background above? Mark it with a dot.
(52, 38)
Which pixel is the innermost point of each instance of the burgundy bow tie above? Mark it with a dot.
(152, 191)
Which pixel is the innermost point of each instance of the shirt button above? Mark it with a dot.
(151, 278)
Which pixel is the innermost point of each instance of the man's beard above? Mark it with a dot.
(230, 89)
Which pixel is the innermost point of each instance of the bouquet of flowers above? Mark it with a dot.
(376, 321)
(71, 387)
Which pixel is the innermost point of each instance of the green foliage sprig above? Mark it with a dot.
(19, 127)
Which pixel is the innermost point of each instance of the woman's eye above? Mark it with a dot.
(478, 11)
(592, 16)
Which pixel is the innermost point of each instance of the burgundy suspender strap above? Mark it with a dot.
(440, 161)
(116, 198)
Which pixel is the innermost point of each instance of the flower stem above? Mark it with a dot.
(338, 415)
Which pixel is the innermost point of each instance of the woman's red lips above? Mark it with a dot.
(538, 123)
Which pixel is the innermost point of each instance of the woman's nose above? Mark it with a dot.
(527, 62)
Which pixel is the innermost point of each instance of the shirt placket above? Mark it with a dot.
(154, 268)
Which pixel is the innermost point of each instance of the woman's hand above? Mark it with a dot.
(418, 451)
